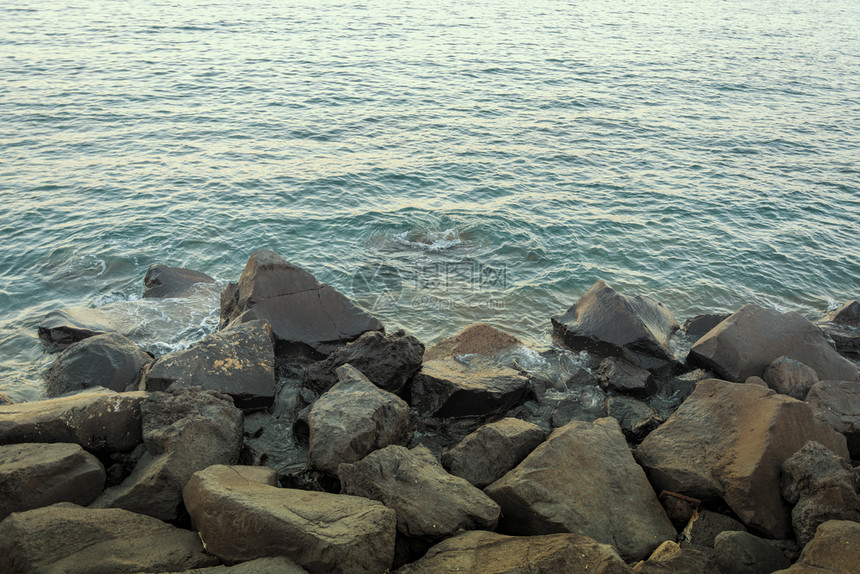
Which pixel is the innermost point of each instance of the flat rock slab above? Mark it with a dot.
(162, 281)
(67, 538)
(301, 310)
(239, 361)
(430, 503)
(752, 338)
(66, 326)
(727, 441)
(583, 479)
(241, 519)
(835, 549)
(474, 339)
(449, 388)
(33, 475)
(481, 552)
(101, 422)
(838, 404)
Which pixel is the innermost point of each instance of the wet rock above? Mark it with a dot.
(67, 538)
(582, 404)
(162, 281)
(581, 378)
(704, 530)
(636, 418)
(843, 327)
(389, 361)
(323, 533)
(487, 454)
(5, 400)
(751, 339)
(822, 487)
(583, 479)
(109, 360)
(354, 418)
(302, 311)
(607, 323)
(727, 442)
(743, 553)
(33, 475)
(449, 388)
(480, 552)
(622, 377)
(441, 435)
(270, 565)
(838, 404)
(474, 339)
(66, 326)
(700, 324)
(790, 377)
(100, 421)
(239, 361)
(671, 558)
(835, 549)
(674, 391)
(184, 430)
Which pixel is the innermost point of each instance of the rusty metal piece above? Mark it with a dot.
(694, 501)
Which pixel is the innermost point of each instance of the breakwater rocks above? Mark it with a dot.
(303, 437)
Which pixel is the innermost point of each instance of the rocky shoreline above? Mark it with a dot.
(303, 437)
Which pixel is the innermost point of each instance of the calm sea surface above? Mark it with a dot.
(441, 162)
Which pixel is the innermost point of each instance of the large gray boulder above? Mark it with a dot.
(99, 421)
(481, 552)
(474, 339)
(163, 281)
(842, 325)
(239, 361)
(835, 549)
(486, 454)
(744, 553)
(109, 360)
(753, 337)
(430, 503)
(301, 310)
(354, 418)
(388, 361)
(838, 404)
(66, 326)
(33, 475)
(583, 479)
(67, 538)
(728, 441)
(790, 377)
(184, 430)
(323, 533)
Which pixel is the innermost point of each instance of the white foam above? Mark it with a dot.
(430, 241)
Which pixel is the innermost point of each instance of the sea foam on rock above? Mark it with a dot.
(163, 282)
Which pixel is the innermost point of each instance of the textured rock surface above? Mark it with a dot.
(429, 502)
(700, 324)
(239, 361)
(743, 553)
(583, 479)
(66, 326)
(354, 418)
(163, 281)
(843, 326)
(728, 441)
(271, 565)
(671, 558)
(67, 538)
(790, 377)
(474, 339)
(835, 549)
(485, 455)
(752, 338)
(109, 360)
(838, 404)
(33, 475)
(703, 532)
(241, 519)
(623, 377)
(636, 418)
(99, 421)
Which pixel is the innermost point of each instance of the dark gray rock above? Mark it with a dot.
(485, 455)
(705, 528)
(101, 421)
(752, 338)
(389, 361)
(699, 325)
(743, 553)
(843, 327)
(67, 538)
(354, 418)
(621, 376)
(270, 565)
(302, 311)
(636, 418)
(674, 391)
(834, 550)
(33, 475)
(790, 377)
(582, 404)
(430, 503)
(239, 361)
(838, 404)
(583, 479)
(109, 360)
(671, 558)
(162, 281)
(67, 326)
(581, 378)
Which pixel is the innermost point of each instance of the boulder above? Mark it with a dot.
(636, 418)
(389, 361)
(67, 538)
(451, 388)
(302, 311)
(184, 430)
(99, 421)
(728, 441)
(163, 282)
(109, 360)
(33, 475)
(821, 486)
(474, 339)
(480, 552)
(622, 377)
(430, 503)
(835, 549)
(354, 418)
(671, 558)
(239, 361)
(838, 404)
(752, 338)
(743, 553)
(583, 479)
(66, 326)
(842, 325)
(239, 519)
(607, 323)
(487, 454)
(703, 531)
(271, 565)
(697, 326)
(790, 377)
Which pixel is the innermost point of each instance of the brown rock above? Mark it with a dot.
(790, 377)
(671, 558)
(838, 404)
(477, 338)
(835, 549)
